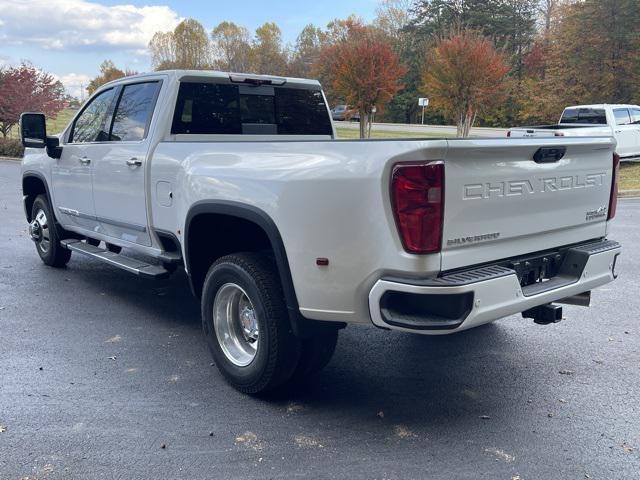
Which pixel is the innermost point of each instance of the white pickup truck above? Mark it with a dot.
(288, 234)
(621, 122)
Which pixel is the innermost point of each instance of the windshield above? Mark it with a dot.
(594, 116)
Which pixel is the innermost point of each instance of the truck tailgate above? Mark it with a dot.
(500, 203)
(531, 132)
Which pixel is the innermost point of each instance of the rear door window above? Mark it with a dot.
(226, 109)
(635, 116)
(595, 116)
(133, 112)
(622, 116)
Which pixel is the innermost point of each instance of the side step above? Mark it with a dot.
(131, 265)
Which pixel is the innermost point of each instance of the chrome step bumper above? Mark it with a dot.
(468, 299)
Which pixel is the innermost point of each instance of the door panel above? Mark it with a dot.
(624, 132)
(119, 176)
(119, 193)
(72, 173)
(635, 122)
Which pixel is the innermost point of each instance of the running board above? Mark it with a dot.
(131, 265)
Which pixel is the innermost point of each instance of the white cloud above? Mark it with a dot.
(75, 84)
(81, 24)
(5, 61)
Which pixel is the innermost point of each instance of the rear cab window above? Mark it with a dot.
(592, 116)
(205, 108)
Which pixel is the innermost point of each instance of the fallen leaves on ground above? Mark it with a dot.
(500, 455)
(294, 408)
(304, 441)
(249, 440)
(403, 432)
(627, 448)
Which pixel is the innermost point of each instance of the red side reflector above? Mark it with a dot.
(613, 199)
(417, 194)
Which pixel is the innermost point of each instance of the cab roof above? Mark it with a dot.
(179, 75)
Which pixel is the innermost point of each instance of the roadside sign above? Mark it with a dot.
(424, 103)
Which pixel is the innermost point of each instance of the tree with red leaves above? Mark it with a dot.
(363, 69)
(464, 74)
(26, 89)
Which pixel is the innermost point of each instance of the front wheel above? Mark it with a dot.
(246, 324)
(43, 232)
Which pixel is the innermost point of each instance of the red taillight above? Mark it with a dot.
(417, 192)
(613, 199)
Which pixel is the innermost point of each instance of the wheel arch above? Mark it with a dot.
(34, 184)
(215, 210)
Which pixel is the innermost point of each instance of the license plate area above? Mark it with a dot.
(537, 269)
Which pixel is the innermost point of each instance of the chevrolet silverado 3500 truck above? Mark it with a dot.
(621, 122)
(287, 234)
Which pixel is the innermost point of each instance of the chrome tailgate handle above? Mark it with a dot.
(85, 161)
(134, 162)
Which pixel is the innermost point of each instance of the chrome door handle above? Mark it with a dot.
(134, 162)
(85, 161)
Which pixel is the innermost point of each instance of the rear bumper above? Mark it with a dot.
(464, 300)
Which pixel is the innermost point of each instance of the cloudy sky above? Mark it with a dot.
(70, 38)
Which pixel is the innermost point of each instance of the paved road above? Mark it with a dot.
(428, 129)
(98, 369)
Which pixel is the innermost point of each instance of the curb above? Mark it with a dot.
(628, 193)
(13, 159)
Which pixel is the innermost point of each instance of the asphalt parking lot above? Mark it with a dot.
(100, 370)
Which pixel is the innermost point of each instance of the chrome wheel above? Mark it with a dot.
(235, 324)
(39, 231)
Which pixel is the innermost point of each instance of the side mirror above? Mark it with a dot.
(34, 130)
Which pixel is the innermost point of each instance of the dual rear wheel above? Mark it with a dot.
(247, 327)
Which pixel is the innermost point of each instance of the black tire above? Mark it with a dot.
(278, 350)
(315, 354)
(54, 255)
(114, 248)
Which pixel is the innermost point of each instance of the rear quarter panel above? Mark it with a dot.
(328, 199)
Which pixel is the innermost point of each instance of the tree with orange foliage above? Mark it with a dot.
(464, 74)
(363, 69)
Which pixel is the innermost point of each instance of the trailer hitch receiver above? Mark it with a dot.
(544, 314)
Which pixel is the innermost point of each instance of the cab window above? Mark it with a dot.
(622, 116)
(133, 112)
(223, 109)
(592, 116)
(90, 126)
